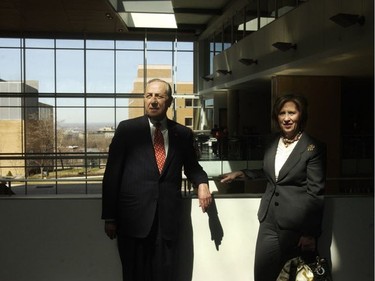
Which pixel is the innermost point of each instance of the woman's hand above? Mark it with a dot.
(229, 177)
(307, 243)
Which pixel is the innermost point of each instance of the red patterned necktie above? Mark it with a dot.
(159, 147)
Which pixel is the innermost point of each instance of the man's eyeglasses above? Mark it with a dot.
(157, 96)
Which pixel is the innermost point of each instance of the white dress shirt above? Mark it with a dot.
(282, 154)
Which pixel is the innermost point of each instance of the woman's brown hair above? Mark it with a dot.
(299, 101)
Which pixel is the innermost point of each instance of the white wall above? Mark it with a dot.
(63, 239)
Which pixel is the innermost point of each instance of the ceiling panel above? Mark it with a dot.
(89, 17)
(58, 16)
(86, 18)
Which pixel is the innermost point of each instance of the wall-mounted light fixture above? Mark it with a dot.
(108, 16)
(346, 20)
(284, 46)
(248, 61)
(224, 71)
(208, 78)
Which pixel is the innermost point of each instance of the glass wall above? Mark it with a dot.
(61, 100)
(253, 16)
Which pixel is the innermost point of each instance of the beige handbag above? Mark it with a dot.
(297, 270)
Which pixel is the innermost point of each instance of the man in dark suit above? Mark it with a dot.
(142, 204)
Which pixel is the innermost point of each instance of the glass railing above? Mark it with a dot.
(216, 158)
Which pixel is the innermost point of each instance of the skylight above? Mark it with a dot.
(148, 14)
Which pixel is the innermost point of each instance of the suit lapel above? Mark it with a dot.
(294, 157)
(146, 134)
(172, 134)
(269, 159)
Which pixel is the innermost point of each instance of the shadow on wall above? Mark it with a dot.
(185, 249)
(217, 232)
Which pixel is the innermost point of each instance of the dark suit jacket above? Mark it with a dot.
(132, 185)
(299, 189)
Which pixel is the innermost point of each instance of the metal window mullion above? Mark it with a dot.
(174, 81)
(115, 88)
(23, 106)
(55, 119)
(85, 111)
(144, 64)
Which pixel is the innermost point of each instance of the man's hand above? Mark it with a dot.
(204, 196)
(110, 228)
(229, 177)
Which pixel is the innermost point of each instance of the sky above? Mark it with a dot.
(107, 71)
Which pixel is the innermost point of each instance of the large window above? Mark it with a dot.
(61, 100)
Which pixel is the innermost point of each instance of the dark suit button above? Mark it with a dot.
(276, 203)
(277, 194)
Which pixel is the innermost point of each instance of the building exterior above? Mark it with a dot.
(26, 126)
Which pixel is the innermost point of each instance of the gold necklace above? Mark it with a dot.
(287, 141)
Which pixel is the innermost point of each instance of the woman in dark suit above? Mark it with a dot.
(290, 211)
(142, 202)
